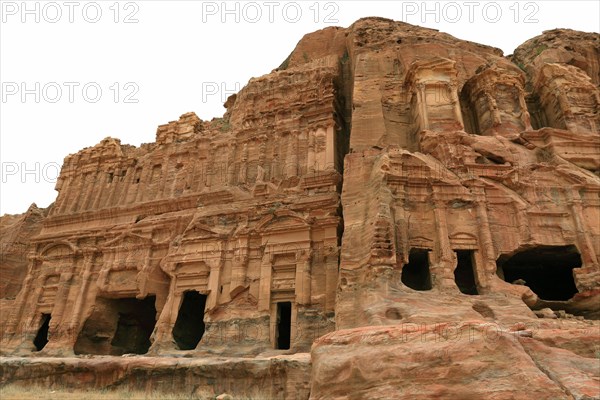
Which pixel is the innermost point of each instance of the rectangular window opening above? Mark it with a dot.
(284, 325)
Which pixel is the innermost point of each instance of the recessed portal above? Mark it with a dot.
(118, 326)
(416, 274)
(189, 327)
(284, 325)
(464, 274)
(135, 325)
(41, 339)
(547, 270)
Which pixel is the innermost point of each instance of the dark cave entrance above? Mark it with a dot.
(464, 274)
(189, 327)
(41, 339)
(118, 326)
(546, 270)
(416, 273)
(134, 327)
(284, 325)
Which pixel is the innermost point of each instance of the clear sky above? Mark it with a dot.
(74, 72)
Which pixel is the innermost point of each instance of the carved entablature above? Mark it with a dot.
(281, 222)
(463, 241)
(494, 102)
(433, 84)
(126, 264)
(420, 242)
(195, 260)
(199, 243)
(570, 100)
(581, 150)
(191, 275)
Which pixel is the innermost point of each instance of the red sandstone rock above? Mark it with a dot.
(386, 185)
(447, 361)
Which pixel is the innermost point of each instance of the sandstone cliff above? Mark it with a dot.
(419, 212)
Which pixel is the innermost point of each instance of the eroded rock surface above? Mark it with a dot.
(387, 186)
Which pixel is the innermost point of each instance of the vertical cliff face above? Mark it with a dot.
(386, 185)
(470, 198)
(442, 136)
(17, 232)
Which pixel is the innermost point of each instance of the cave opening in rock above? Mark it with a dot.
(135, 324)
(464, 274)
(189, 326)
(284, 325)
(469, 115)
(41, 339)
(416, 273)
(117, 327)
(536, 112)
(546, 270)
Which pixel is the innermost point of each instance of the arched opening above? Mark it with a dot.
(536, 112)
(41, 339)
(469, 114)
(546, 270)
(189, 327)
(416, 273)
(118, 326)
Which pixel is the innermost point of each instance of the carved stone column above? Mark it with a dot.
(264, 290)
(60, 303)
(90, 182)
(486, 246)
(162, 337)
(74, 206)
(213, 282)
(445, 261)
(127, 186)
(422, 106)
(80, 300)
(21, 300)
(330, 149)
(291, 162)
(239, 266)
(144, 275)
(453, 88)
(262, 156)
(584, 243)
(142, 187)
(230, 164)
(100, 190)
(243, 172)
(303, 262)
(311, 153)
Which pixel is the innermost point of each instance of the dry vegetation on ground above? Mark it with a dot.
(13, 392)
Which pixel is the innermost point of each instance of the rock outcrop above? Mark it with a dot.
(422, 211)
